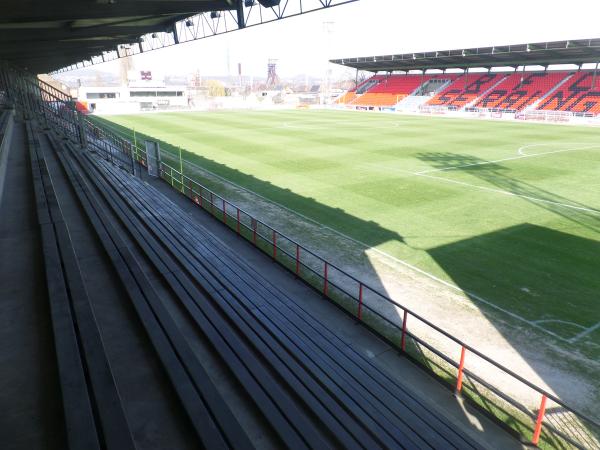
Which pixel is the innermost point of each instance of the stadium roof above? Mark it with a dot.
(540, 53)
(41, 35)
(48, 35)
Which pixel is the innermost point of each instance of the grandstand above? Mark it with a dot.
(575, 92)
(504, 91)
(142, 310)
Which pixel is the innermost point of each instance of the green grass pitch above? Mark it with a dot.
(507, 211)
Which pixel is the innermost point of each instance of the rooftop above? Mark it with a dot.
(540, 53)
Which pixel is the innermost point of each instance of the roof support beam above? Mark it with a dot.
(53, 34)
(40, 33)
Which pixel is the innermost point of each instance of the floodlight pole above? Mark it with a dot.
(328, 29)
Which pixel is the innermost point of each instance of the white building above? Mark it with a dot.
(145, 91)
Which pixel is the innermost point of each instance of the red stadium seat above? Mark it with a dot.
(520, 90)
(576, 95)
(398, 84)
(465, 89)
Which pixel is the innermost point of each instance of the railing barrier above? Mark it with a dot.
(403, 339)
(538, 423)
(325, 280)
(461, 366)
(360, 301)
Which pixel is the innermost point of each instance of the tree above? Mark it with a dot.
(215, 88)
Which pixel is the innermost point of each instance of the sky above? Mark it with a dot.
(302, 45)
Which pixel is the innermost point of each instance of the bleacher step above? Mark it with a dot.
(412, 102)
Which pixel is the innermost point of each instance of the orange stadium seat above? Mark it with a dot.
(346, 98)
(378, 99)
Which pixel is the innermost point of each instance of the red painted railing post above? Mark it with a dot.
(238, 221)
(403, 342)
(461, 366)
(360, 300)
(325, 287)
(297, 259)
(538, 423)
(224, 212)
(274, 244)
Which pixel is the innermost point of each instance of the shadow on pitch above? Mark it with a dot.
(543, 274)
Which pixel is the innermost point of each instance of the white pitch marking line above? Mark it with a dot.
(566, 322)
(584, 333)
(522, 155)
(512, 194)
(456, 288)
(314, 125)
(521, 151)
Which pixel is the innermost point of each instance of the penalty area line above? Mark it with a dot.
(522, 155)
(467, 293)
(511, 194)
(584, 333)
